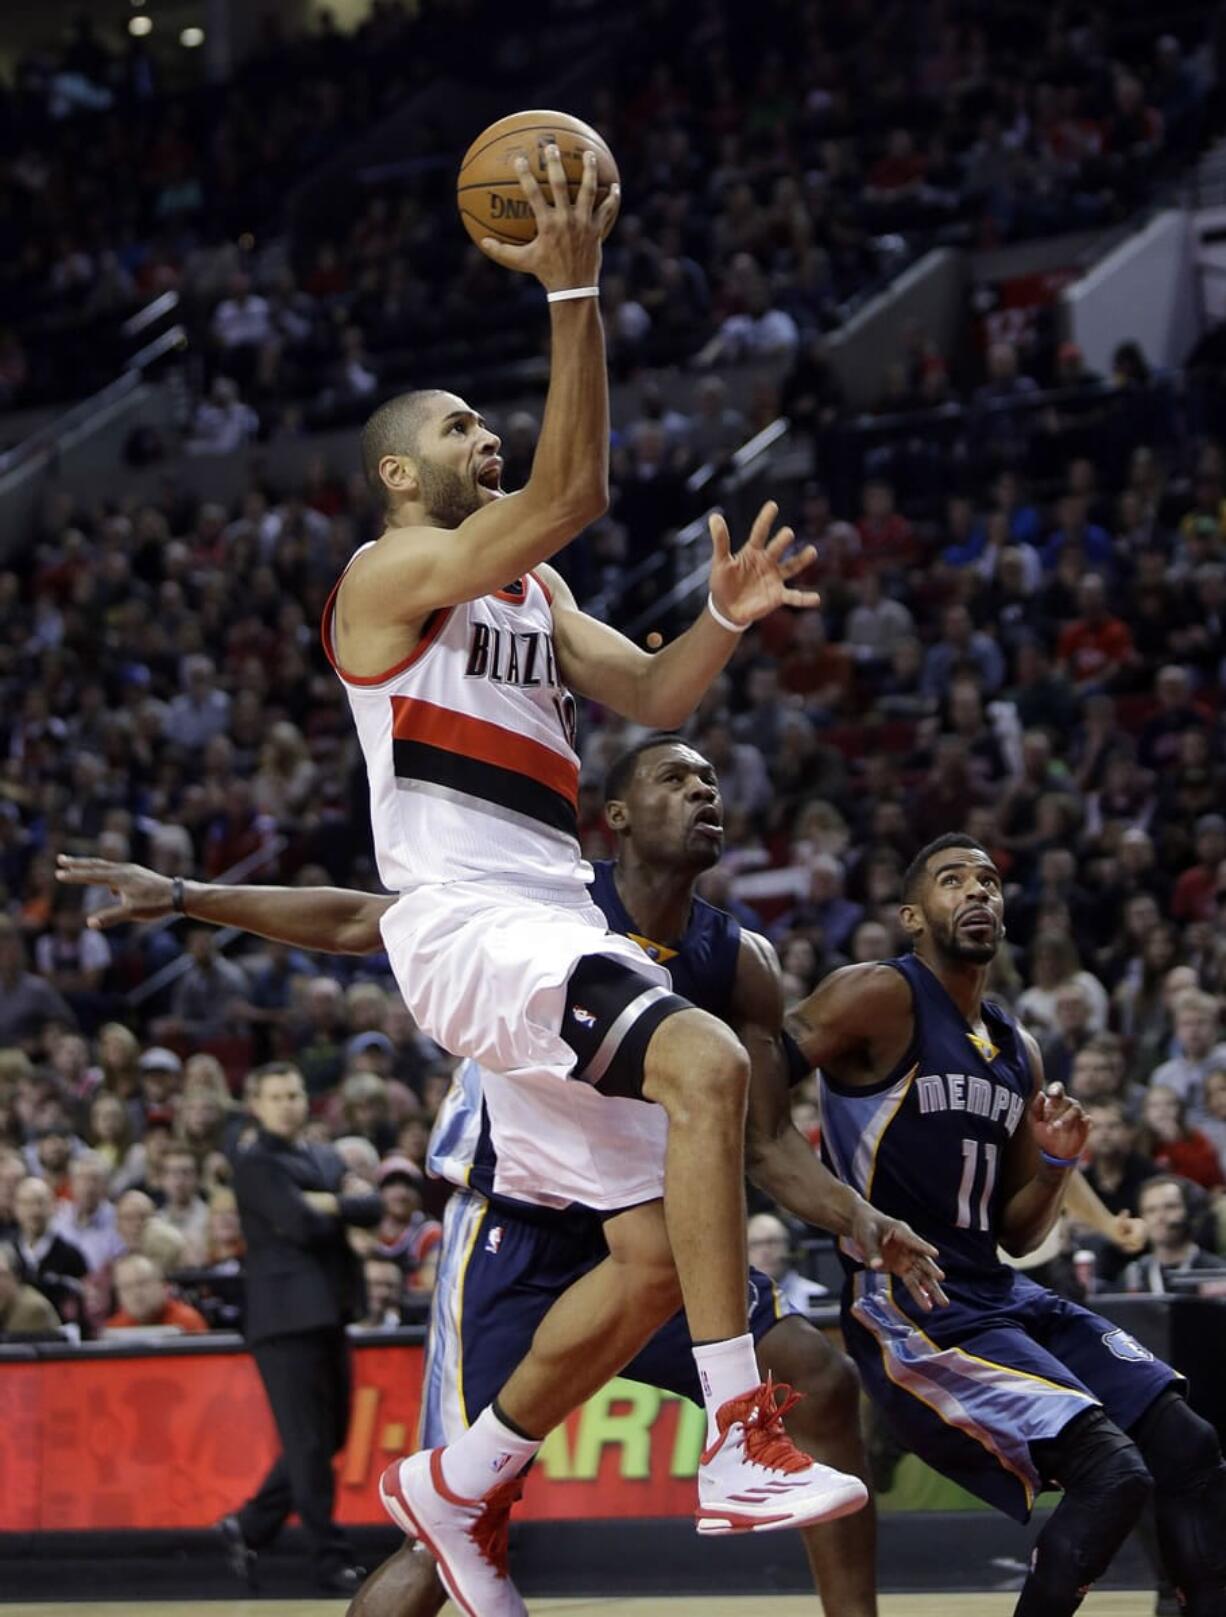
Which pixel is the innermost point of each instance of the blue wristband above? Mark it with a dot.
(1058, 1162)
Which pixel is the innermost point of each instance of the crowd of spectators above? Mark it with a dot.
(1023, 632)
(777, 162)
(1039, 664)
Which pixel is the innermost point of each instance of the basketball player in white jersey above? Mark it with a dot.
(458, 648)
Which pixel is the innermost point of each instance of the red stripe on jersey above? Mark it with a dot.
(434, 625)
(415, 720)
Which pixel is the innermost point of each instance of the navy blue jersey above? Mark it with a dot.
(702, 964)
(927, 1144)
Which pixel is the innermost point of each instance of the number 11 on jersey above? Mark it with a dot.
(966, 1189)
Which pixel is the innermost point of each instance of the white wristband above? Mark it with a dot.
(573, 292)
(724, 623)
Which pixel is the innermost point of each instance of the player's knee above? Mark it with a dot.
(797, 1354)
(1179, 1447)
(696, 1067)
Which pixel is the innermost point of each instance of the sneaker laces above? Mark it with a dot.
(491, 1530)
(763, 1438)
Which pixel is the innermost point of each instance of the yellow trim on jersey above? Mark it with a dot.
(659, 952)
(904, 1091)
(485, 1211)
(979, 1434)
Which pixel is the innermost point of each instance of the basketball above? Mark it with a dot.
(488, 193)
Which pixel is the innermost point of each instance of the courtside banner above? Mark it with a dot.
(177, 1440)
(177, 1437)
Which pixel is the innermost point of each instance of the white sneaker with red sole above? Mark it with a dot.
(753, 1478)
(466, 1537)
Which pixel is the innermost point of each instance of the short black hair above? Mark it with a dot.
(394, 429)
(918, 868)
(270, 1069)
(621, 770)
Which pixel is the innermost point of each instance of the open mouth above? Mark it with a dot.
(490, 476)
(708, 822)
(981, 919)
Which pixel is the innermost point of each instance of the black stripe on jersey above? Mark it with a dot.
(417, 760)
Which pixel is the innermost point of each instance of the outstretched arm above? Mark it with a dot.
(413, 571)
(333, 920)
(663, 690)
(780, 1161)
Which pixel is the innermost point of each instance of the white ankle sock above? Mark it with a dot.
(488, 1453)
(726, 1370)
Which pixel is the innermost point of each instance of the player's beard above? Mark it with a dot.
(956, 944)
(448, 497)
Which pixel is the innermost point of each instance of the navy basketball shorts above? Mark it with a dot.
(498, 1276)
(970, 1387)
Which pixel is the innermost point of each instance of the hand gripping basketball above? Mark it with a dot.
(566, 250)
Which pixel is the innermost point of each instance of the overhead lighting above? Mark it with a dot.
(191, 37)
(140, 26)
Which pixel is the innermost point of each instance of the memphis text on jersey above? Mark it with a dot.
(964, 1092)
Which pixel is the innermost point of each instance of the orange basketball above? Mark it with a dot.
(490, 197)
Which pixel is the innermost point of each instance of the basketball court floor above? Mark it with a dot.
(1107, 1604)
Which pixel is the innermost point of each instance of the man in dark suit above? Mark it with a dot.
(304, 1284)
(47, 1261)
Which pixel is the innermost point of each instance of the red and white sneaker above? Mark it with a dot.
(753, 1478)
(466, 1537)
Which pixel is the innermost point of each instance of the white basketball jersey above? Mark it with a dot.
(469, 748)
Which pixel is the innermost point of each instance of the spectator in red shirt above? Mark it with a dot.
(1174, 1146)
(1195, 895)
(1095, 647)
(145, 1302)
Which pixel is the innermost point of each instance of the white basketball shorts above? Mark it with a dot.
(558, 1011)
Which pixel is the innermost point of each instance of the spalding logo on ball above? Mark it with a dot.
(488, 193)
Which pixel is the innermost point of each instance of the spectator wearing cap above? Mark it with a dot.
(22, 1308)
(27, 1002)
(48, 1262)
(405, 1234)
(1195, 895)
(160, 1071)
(88, 1220)
(371, 1051)
(146, 1303)
(208, 991)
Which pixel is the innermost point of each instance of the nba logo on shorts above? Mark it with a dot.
(1127, 1348)
(584, 1018)
(494, 1240)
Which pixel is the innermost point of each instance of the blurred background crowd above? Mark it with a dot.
(1022, 562)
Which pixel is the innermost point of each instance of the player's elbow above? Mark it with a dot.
(1019, 1243)
(568, 506)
